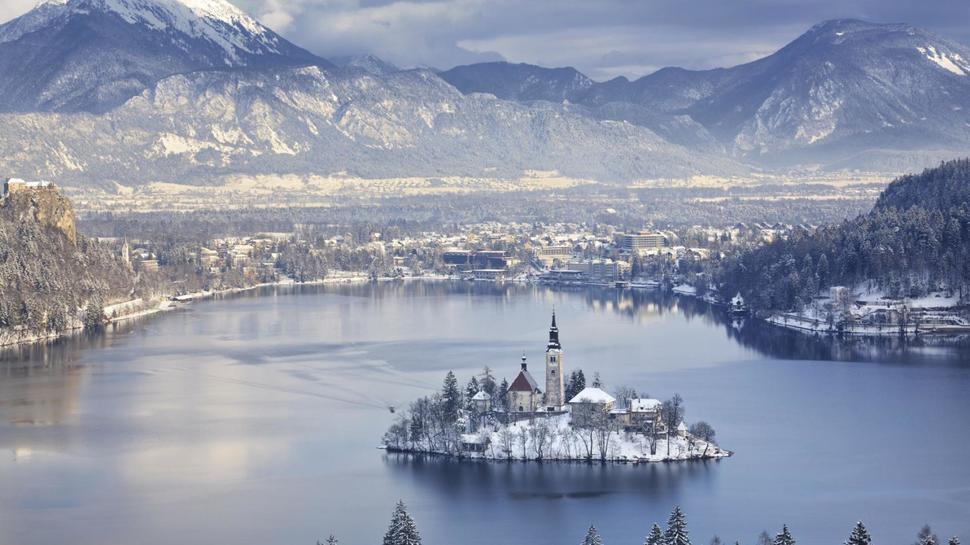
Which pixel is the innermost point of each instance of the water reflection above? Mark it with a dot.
(549, 480)
(265, 409)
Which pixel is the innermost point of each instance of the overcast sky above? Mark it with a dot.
(603, 38)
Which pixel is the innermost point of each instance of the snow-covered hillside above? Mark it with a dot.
(92, 55)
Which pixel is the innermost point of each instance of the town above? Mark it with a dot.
(559, 419)
(195, 260)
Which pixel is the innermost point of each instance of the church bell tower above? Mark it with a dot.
(555, 385)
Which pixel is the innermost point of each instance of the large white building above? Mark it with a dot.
(637, 242)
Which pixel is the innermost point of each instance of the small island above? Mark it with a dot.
(564, 421)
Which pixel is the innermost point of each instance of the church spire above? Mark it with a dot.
(553, 334)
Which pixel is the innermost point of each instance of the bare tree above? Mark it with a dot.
(673, 414)
(540, 433)
(524, 439)
(506, 439)
(603, 427)
(705, 432)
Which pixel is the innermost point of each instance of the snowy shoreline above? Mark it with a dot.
(555, 439)
(119, 312)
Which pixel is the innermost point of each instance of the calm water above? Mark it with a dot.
(254, 421)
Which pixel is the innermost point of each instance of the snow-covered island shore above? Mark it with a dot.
(554, 438)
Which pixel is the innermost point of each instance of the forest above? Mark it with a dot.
(914, 241)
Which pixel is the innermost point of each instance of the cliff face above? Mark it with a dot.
(50, 278)
(47, 207)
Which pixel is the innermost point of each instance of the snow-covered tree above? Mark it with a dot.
(450, 398)
(954, 541)
(926, 536)
(859, 536)
(676, 533)
(402, 530)
(655, 537)
(784, 537)
(592, 537)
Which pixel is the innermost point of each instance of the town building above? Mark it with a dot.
(644, 240)
(549, 255)
(589, 405)
(640, 414)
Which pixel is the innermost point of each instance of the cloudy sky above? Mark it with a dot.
(603, 38)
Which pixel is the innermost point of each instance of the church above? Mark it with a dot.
(525, 394)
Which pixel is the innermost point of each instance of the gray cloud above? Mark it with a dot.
(602, 38)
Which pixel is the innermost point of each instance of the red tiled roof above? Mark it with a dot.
(524, 383)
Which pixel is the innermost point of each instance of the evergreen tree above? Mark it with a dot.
(488, 381)
(450, 398)
(502, 395)
(859, 536)
(576, 384)
(330, 541)
(784, 537)
(471, 389)
(954, 541)
(926, 536)
(656, 536)
(592, 537)
(402, 530)
(676, 533)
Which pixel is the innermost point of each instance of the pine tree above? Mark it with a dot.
(926, 536)
(954, 541)
(656, 536)
(402, 530)
(592, 537)
(330, 541)
(676, 533)
(450, 397)
(471, 389)
(502, 395)
(859, 536)
(784, 537)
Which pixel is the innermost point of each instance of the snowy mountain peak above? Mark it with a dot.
(215, 21)
(103, 52)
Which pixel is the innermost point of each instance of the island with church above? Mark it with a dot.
(562, 420)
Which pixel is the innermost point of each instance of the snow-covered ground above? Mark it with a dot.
(561, 441)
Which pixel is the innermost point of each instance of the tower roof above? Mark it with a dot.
(553, 335)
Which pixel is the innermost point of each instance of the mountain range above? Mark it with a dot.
(193, 91)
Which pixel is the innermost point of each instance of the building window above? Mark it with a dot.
(553, 372)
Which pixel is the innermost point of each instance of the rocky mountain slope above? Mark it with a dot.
(845, 93)
(198, 127)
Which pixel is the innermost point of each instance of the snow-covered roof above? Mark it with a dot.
(481, 396)
(472, 439)
(644, 405)
(592, 395)
(682, 426)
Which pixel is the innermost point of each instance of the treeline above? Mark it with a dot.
(404, 531)
(916, 240)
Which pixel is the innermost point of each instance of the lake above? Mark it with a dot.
(254, 419)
